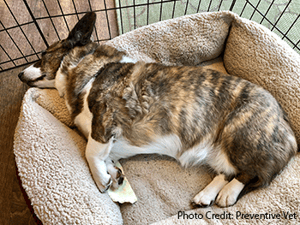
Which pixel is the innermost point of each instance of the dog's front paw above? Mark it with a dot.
(203, 199)
(104, 183)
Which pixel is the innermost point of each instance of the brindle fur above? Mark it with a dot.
(147, 100)
(144, 101)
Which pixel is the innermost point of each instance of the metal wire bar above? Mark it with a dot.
(149, 3)
(199, 6)
(274, 25)
(232, 5)
(19, 58)
(11, 60)
(107, 9)
(281, 14)
(121, 18)
(220, 5)
(160, 14)
(174, 6)
(107, 19)
(209, 6)
(265, 16)
(75, 9)
(90, 5)
(21, 31)
(62, 13)
(186, 7)
(296, 45)
(36, 24)
(244, 8)
(134, 15)
(13, 27)
(14, 43)
(256, 7)
(285, 34)
(18, 66)
(148, 11)
(49, 17)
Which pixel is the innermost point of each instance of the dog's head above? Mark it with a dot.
(42, 73)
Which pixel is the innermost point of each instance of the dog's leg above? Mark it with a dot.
(116, 173)
(208, 195)
(96, 154)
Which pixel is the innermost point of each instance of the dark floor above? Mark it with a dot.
(13, 207)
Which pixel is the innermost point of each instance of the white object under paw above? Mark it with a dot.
(124, 192)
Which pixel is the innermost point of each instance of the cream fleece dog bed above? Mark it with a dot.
(50, 153)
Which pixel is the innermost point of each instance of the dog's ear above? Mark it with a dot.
(81, 33)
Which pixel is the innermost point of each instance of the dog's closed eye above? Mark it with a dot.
(40, 78)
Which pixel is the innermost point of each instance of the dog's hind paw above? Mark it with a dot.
(229, 194)
(202, 199)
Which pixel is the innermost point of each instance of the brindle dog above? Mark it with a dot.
(196, 115)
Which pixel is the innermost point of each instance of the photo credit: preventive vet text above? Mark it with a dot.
(283, 215)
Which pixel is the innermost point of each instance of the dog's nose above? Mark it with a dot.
(21, 75)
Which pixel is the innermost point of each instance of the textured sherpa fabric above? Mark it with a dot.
(280, 198)
(50, 155)
(255, 53)
(53, 169)
(187, 40)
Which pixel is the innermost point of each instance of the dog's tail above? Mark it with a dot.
(265, 176)
(254, 184)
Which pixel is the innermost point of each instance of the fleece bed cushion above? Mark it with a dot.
(49, 151)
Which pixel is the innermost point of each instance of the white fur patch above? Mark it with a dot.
(126, 59)
(219, 161)
(196, 155)
(60, 82)
(205, 152)
(168, 145)
(207, 196)
(229, 194)
(32, 73)
(96, 150)
(84, 120)
(45, 83)
(96, 154)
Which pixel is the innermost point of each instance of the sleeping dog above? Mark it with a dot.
(195, 115)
